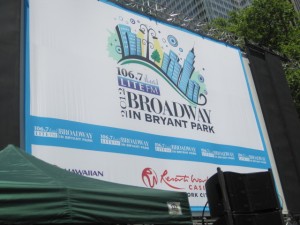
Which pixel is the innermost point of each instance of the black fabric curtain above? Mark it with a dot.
(10, 30)
(281, 120)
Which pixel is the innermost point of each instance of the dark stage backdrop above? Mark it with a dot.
(281, 118)
(10, 29)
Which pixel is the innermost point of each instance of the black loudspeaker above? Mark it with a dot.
(269, 218)
(241, 193)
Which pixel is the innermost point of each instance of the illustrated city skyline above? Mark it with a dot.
(179, 75)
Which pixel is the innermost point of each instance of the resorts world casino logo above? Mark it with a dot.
(177, 182)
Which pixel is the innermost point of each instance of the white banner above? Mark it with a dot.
(125, 98)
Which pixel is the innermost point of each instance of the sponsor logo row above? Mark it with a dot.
(151, 179)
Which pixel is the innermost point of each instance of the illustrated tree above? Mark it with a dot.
(155, 56)
(273, 24)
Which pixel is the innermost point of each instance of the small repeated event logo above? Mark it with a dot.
(61, 133)
(134, 43)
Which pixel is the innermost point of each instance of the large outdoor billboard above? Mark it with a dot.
(118, 96)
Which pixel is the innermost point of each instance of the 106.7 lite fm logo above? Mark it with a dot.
(132, 42)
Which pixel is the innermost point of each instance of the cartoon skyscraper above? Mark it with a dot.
(123, 32)
(128, 40)
(176, 73)
(190, 90)
(193, 91)
(132, 43)
(174, 60)
(138, 46)
(196, 93)
(165, 63)
(188, 68)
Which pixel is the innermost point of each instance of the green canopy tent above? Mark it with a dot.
(35, 192)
